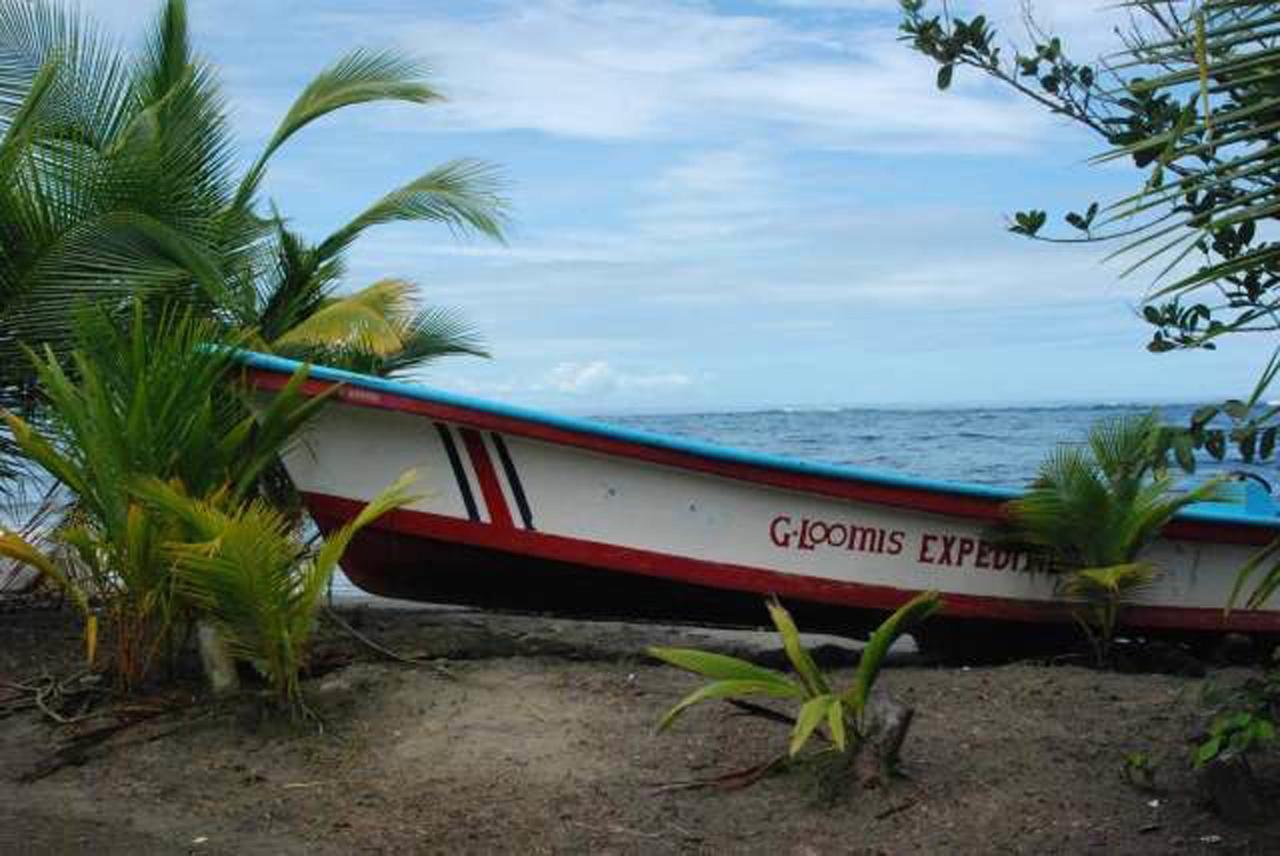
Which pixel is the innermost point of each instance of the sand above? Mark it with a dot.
(542, 740)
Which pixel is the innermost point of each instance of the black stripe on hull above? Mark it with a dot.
(464, 486)
(513, 479)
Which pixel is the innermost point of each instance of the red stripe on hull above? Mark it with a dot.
(480, 462)
(604, 558)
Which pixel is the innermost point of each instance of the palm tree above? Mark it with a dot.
(117, 178)
(1094, 509)
(145, 400)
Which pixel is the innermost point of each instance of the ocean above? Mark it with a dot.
(1001, 446)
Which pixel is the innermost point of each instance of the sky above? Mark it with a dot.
(716, 205)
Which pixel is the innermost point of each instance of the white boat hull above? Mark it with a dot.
(527, 511)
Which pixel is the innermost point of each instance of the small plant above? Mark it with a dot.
(845, 714)
(1245, 720)
(1094, 509)
(247, 569)
(1100, 593)
(1140, 771)
(144, 399)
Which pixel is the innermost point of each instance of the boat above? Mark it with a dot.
(531, 511)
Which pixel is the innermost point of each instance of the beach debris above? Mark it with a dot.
(896, 809)
(384, 651)
(65, 701)
(86, 743)
(885, 725)
(727, 781)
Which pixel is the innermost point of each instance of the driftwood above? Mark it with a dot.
(88, 745)
(382, 650)
(873, 762)
(885, 726)
(62, 700)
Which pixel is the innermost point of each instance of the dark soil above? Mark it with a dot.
(543, 741)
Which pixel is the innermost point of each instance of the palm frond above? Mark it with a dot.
(360, 77)
(244, 567)
(1123, 448)
(167, 58)
(814, 683)
(1103, 585)
(1099, 506)
(903, 620)
(427, 336)
(364, 320)
(378, 331)
(34, 33)
(464, 195)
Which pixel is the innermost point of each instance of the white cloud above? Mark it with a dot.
(598, 377)
(712, 196)
(611, 70)
(670, 70)
(582, 378)
(844, 5)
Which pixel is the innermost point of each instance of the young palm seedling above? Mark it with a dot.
(1094, 509)
(867, 736)
(145, 396)
(247, 568)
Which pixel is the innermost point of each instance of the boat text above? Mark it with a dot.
(928, 548)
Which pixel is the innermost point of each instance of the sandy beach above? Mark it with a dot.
(536, 735)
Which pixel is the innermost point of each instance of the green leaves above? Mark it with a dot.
(1234, 733)
(812, 712)
(944, 75)
(245, 567)
(360, 77)
(733, 678)
(1188, 98)
(842, 713)
(814, 683)
(1083, 221)
(1109, 583)
(1252, 430)
(151, 408)
(1028, 223)
(724, 689)
(1094, 509)
(461, 194)
(719, 666)
(118, 180)
(901, 621)
(1268, 557)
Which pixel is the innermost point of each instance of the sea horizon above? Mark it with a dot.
(1090, 404)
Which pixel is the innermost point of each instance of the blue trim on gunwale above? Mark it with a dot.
(1203, 512)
